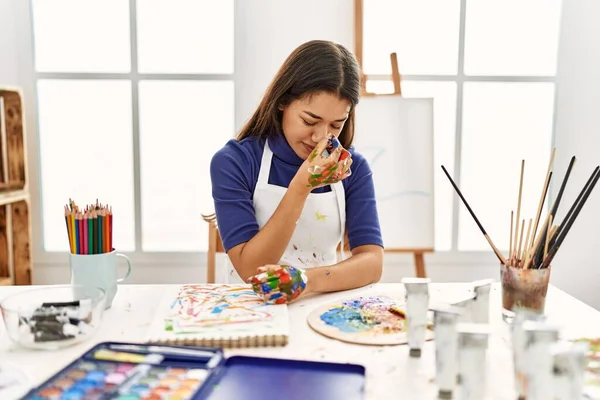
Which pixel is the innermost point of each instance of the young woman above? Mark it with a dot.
(291, 184)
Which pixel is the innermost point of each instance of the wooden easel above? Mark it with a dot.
(418, 253)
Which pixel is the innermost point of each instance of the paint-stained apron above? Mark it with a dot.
(318, 231)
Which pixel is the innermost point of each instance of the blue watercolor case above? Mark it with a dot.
(222, 378)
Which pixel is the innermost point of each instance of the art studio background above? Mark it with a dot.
(508, 79)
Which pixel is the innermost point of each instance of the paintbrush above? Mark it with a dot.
(496, 251)
(516, 260)
(577, 200)
(573, 213)
(543, 197)
(538, 250)
(397, 310)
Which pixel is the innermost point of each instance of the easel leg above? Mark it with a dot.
(420, 265)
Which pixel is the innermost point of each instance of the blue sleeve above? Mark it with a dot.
(232, 170)
(362, 221)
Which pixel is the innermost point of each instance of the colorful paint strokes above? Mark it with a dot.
(365, 314)
(200, 306)
(376, 314)
(332, 172)
(337, 172)
(592, 372)
(332, 144)
(279, 284)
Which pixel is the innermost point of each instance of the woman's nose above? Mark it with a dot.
(319, 134)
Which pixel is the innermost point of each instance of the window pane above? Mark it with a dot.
(423, 33)
(185, 36)
(444, 105)
(86, 154)
(503, 123)
(512, 37)
(182, 124)
(81, 36)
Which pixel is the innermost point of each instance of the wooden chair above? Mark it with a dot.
(215, 245)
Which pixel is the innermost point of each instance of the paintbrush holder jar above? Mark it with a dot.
(525, 288)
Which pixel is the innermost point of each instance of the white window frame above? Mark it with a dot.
(139, 257)
(460, 79)
(28, 78)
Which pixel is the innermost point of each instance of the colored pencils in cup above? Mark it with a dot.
(89, 230)
(535, 248)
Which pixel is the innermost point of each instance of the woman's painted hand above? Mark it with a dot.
(328, 163)
(278, 284)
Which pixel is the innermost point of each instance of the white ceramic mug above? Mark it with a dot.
(98, 270)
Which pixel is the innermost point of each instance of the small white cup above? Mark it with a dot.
(98, 270)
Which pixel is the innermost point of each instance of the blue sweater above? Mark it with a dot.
(234, 173)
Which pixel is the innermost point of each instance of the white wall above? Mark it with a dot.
(576, 268)
(8, 45)
(268, 31)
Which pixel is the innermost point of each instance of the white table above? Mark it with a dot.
(391, 373)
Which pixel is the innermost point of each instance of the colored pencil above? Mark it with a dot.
(90, 234)
(77, 251)
(105, 228)
(99, 220)
(89, 229)
(110, 238)
(85, 234)
(73, 239)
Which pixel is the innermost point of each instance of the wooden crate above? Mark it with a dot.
(12, 141)
(15, 223)
(15, 252)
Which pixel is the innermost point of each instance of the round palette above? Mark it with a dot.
(371, 320)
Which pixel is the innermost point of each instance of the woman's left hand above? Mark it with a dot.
(278, 284)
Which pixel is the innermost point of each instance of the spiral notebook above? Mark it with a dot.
(221, 315)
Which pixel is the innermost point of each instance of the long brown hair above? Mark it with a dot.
(315, 66)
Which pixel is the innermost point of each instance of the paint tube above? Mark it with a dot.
(539, 338)
(569, 362)
(518, 345)
(481, 301)
(467, 307)
(472, 350)
(417, 304)
(446, 344)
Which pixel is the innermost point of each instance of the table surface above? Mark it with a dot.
(390, 372)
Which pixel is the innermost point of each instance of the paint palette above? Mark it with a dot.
(131, 372)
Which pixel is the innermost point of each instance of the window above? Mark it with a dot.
(132, 113)
(492, 78)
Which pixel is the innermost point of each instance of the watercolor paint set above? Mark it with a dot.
(133, 371)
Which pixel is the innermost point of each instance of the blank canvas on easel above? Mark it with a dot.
(395, 135)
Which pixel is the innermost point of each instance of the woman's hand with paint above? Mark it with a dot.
(278, 284)
(328, 163)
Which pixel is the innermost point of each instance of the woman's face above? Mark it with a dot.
(308, 120)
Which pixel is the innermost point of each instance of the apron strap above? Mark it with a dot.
(265, 165)
(340, 195)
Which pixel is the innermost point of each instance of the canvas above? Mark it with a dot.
(224, 314)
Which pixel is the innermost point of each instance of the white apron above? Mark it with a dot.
(318, 231)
